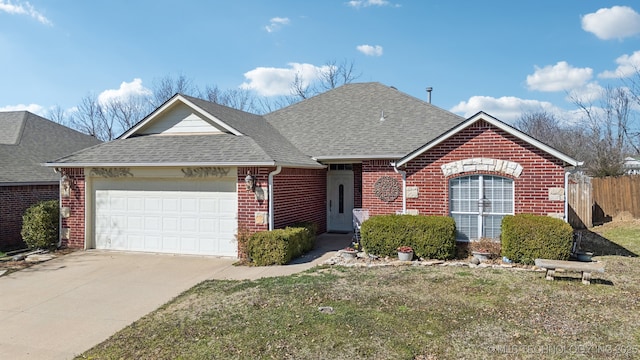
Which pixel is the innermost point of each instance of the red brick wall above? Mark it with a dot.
(300, 195)
(248, 205)
(357, 186)
(76, 202)
(372, 170)
(541, 171)
(14, 201)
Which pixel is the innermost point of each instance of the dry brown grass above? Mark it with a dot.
(439, 312)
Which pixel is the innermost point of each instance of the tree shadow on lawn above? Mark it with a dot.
(601, 246)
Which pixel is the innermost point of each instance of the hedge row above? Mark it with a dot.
(278, 247)
(431, 237)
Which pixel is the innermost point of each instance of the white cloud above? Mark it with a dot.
(558, 77)
(23, 9)
(34, 108)
(506, 108)
(366, 3)
(369, 50)
(270, 81)
(276, 23)
(617, 22)
(126, 91)
(587, 93)
(627, 66)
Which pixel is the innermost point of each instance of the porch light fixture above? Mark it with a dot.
(250, 182)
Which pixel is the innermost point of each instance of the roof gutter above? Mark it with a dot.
(271, 175)
(404, 186)
(158, 164)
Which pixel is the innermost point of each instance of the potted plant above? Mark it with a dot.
(349, 253)
(484, 249)
(405, 253)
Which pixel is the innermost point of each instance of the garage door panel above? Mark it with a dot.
(188, 217)
(135, 223)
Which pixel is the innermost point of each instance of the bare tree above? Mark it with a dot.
(58, 114)
(337, 74)
(240, 99)
(331, 76)
(610, 129)
(567, 138)
(165, 87)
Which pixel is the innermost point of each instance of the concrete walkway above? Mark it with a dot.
(63, 307)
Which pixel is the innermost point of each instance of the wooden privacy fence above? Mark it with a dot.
(594, 201)
(580, 201)
(616, 198)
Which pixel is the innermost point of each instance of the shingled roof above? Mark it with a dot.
(250, 142)
(362, 121)
(351, 122)
(28, 140)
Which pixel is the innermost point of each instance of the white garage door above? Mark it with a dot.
(173, 216)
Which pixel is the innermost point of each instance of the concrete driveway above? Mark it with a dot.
(60, 308)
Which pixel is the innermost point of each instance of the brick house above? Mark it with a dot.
(26, 141)
(189, 175)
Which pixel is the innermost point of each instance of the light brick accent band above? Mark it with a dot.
(482, 164)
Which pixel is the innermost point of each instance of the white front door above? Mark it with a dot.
(339, 200)
(478, 203)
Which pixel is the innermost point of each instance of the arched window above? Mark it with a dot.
(478, 203)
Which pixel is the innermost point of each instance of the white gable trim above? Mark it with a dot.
(497, 123)
(178, 98)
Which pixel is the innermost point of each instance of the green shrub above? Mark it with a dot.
(278, 247)
(432, 237)
(310, 234)
(526, 237)
(40, 225)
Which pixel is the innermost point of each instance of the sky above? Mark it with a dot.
(501, 57)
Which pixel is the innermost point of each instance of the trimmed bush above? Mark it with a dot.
(40, 225)
(278, 247)
(310, 234)
(431, 237)
(526, 237)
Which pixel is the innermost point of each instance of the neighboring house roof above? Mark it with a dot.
(482, 116)
(361, 121)
(240, 138)
(28, 140)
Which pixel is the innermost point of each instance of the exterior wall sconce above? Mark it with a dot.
(250, 182)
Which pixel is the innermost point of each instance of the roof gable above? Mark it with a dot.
(482, 116)
(190, 131)
(179, 115)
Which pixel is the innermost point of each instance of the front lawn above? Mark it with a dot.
(438, 312)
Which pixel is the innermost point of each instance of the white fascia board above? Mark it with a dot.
(497, 123)
(155, 164)
(357, 158)
(170, 103)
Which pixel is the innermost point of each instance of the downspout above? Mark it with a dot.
(404, 186)
(566, 196)
(271, 175)
(57, 171)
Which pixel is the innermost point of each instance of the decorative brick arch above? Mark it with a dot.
(506, 167)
